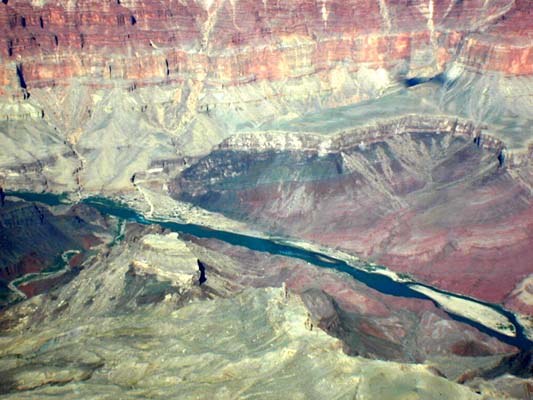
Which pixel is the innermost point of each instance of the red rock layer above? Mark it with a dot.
(235, 42)
(29, 263)
(475, 240)
(484, 260)
(506, 46)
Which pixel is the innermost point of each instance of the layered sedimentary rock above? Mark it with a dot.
(395, 130)
(45, 44)
(164, 80)
(255, 344)
(436, 205)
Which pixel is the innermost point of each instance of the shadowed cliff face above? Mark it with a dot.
(431, 204)
(33, 240)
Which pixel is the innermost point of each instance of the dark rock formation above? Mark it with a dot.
(201, 267)
(33, 238)
(520, 364)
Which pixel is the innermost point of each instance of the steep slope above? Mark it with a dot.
(237, 42)
(39, 243)
(400, 131)
(253, 345)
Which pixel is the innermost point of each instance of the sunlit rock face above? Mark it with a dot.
(236, 42)
(255, 344)
(166, 80)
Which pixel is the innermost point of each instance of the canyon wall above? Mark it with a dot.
(230, 43)
(169, 79)
(396, 130)
(427, 200)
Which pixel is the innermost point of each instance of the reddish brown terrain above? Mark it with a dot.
(435, 206)
(369, 323)
(154, 42)
(398, 131)
(33, 240)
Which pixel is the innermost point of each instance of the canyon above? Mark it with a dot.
(150, 276)
(418, 202)
(396, 133)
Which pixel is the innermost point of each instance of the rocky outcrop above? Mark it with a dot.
(165, 80)
(367, 322)
(258, 336)
(158, 271)
(506, 46)
(148, 284)
(93, 94)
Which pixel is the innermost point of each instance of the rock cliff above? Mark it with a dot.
(167, 79)
(439, 206)
(141, 300)
(223, 42)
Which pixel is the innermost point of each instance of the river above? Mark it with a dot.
(376, 281)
